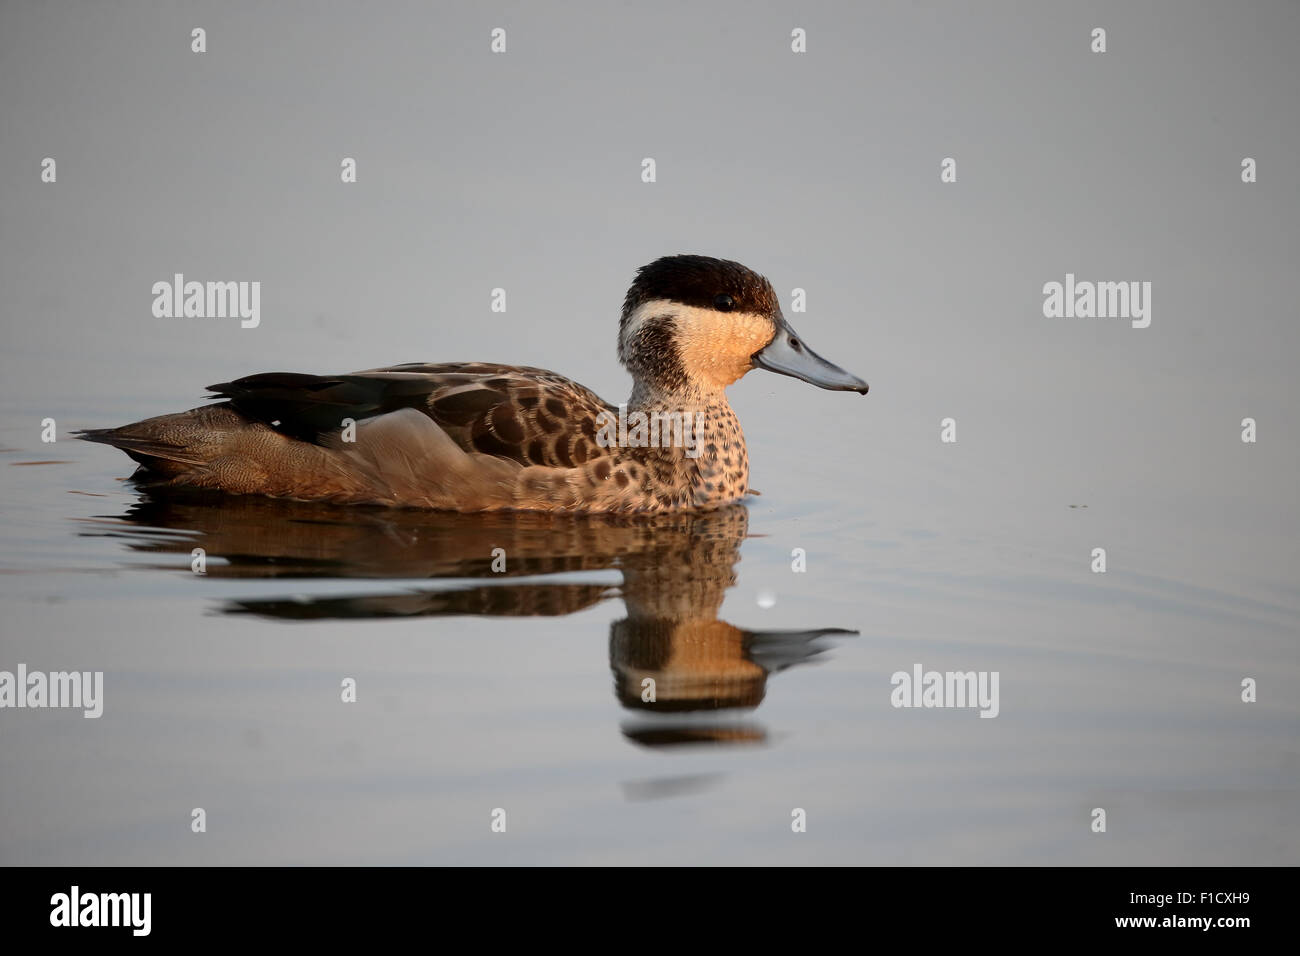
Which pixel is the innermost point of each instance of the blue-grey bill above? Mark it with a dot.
(787, 355)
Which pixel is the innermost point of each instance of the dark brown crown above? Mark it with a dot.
(699, 281)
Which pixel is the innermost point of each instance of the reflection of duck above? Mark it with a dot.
(483, 437)
(673, 637)
(676, 570)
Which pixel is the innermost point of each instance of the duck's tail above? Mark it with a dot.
(216, 447)
(401, 458)
(172, 444)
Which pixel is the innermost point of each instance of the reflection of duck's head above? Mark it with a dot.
(670, 665)
(666, 665)
(672, 653)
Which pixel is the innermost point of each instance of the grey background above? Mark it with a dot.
(820, 170)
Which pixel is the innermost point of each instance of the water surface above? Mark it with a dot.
(520, 690)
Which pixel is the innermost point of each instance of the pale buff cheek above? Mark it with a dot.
(716, 347)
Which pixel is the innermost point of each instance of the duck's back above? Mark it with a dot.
(528, 415)
(460, 436)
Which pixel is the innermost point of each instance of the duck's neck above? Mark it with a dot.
(652, 395)
(708, 462)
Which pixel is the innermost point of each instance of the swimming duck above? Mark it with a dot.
(474, 436)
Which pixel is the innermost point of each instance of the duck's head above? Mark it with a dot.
(698, 323)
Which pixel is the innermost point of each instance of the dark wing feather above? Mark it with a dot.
(308, 407)
(527, 415)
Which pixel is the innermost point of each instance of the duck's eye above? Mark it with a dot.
(723, 302)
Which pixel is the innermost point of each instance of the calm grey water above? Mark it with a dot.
(478, 691)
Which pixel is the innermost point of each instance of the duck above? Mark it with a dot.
(482, 437)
